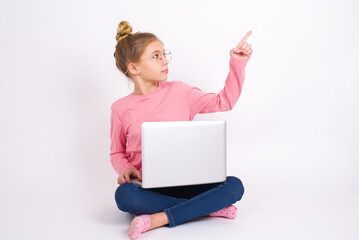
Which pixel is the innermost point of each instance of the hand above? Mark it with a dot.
(126, 174)
(243, 49)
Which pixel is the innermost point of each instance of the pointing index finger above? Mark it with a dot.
(245, 38)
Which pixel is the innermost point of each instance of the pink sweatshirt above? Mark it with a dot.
(171, 101)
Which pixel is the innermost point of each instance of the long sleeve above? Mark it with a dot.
(202, 102)
(118, 155)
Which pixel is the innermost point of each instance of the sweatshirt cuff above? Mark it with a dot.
(238, 61)
(121, 169)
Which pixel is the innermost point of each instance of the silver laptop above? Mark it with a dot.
(180, 153)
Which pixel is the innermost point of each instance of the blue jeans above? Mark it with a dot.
(181, 203)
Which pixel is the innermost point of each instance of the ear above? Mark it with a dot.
(132, 68)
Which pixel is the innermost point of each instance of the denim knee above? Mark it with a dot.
(124, 196)
(237, 188)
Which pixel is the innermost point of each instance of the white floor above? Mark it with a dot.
(285, 216)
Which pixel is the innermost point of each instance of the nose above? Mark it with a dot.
(165, 61)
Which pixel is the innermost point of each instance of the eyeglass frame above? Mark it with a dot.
(161, 58)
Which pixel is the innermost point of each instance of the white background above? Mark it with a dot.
(293, 135)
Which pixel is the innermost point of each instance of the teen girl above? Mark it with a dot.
(142, 58)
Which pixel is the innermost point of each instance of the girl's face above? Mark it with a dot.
(153, 66)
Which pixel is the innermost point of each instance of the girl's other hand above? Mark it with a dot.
(125, 176)
(243, 49)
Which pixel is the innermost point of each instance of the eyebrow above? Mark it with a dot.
(157, 51)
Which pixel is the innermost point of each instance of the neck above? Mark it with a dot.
(145, 87)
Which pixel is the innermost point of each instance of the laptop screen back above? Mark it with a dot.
(179, 153)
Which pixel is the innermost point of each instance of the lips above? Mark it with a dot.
(165, 71)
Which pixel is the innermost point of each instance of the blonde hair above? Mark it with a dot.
(130, 47)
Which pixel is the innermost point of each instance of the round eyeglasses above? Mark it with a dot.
(159, 57)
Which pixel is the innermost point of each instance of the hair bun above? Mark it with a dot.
(123, 30)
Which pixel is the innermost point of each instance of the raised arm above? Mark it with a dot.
(202, 102)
